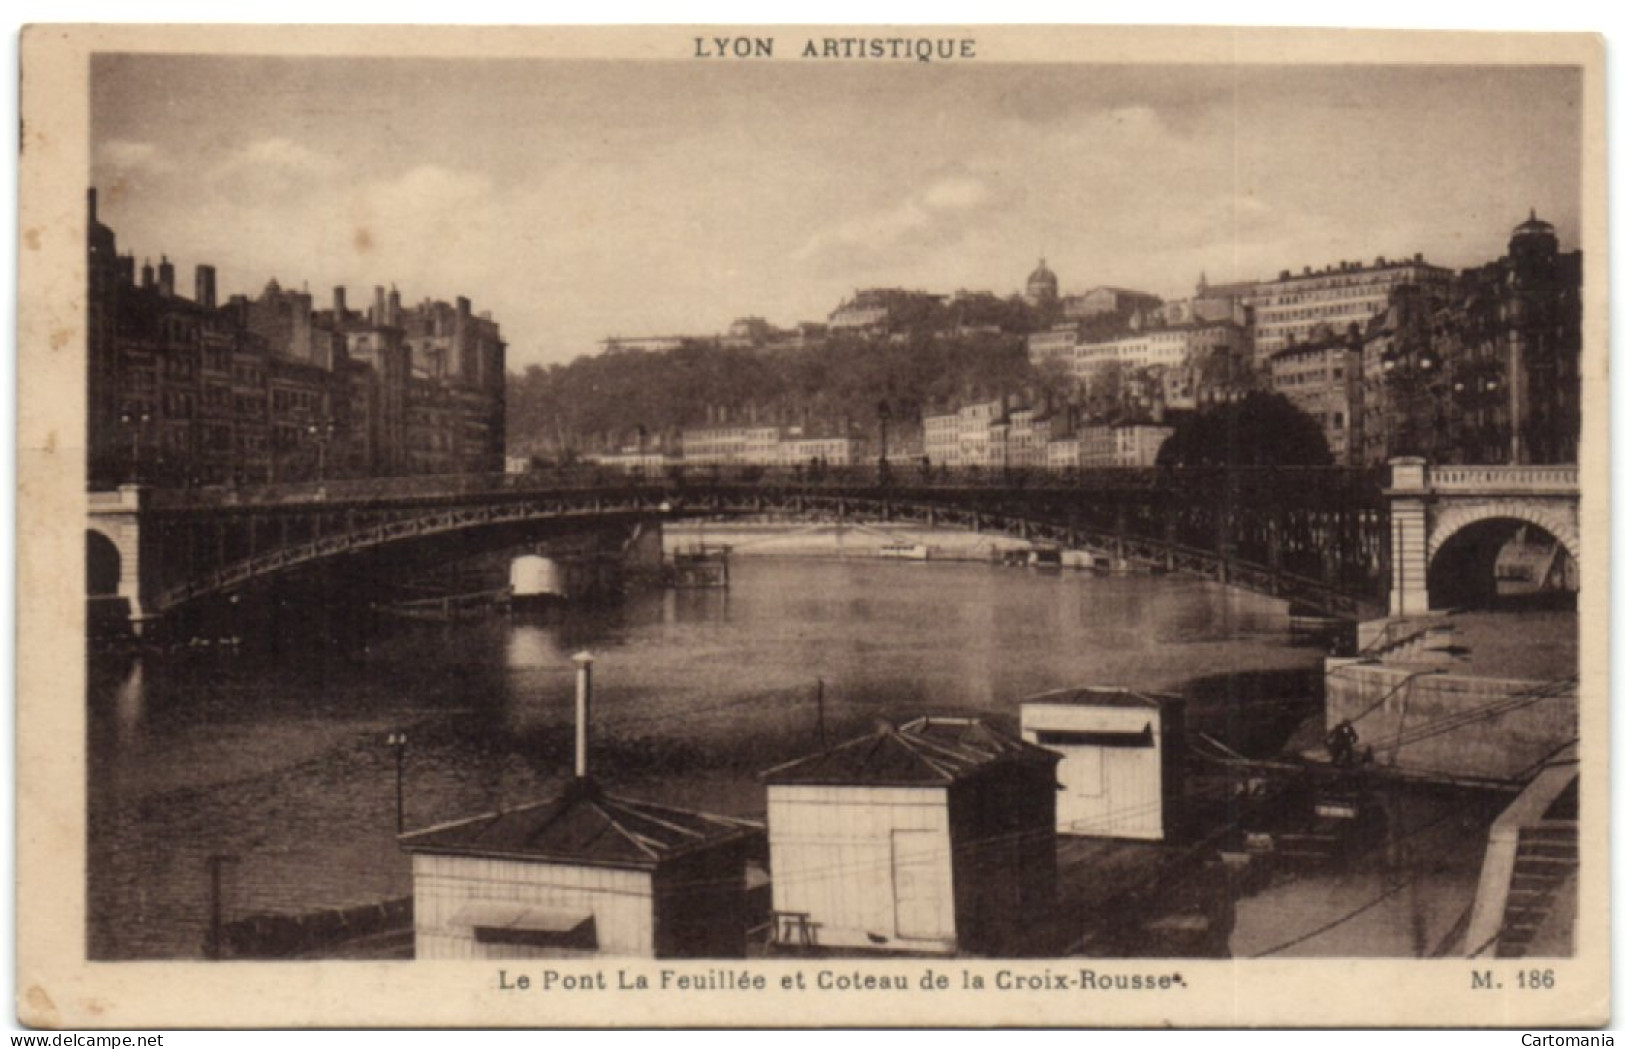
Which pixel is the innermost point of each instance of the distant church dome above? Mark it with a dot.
(1042, 284)
(1533, 244)
(1534, 225)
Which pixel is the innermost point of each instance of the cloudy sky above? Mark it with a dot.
(581, 199)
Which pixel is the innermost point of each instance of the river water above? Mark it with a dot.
(275, 757)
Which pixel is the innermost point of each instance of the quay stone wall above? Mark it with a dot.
(1420, 720)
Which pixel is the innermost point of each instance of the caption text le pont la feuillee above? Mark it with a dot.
(832, 979)
(889, 48)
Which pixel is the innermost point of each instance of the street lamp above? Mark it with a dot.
(397, 741)
(321, 433)
(136, 416)
(1478, 390)
(214, 947)
(1414, 389)
(884, 414)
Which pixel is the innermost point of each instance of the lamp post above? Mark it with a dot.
(1478, 389)
(214, 947)
(136, 416)
(397, 741)
(321, 433)
(883, 413)
(1408, 375)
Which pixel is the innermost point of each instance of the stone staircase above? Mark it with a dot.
(1547, 857)
(1408, 640)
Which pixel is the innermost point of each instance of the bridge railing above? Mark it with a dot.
(1522, 479)
(1287, 481)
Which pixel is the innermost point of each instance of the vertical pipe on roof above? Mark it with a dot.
(583, 662)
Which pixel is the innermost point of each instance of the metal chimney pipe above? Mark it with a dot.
(583, 662)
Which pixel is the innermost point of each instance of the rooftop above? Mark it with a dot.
(1098, 696)
(582, 825)
(925, 752)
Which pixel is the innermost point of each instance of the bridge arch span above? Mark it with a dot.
(104, 565)
(1469, 566)
(1455, 519)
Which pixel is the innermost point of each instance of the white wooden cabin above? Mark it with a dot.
(583, 873)
(937, 836)
(1120, 771)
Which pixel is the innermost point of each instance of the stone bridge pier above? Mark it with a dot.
(1447, 522)
(114, 565)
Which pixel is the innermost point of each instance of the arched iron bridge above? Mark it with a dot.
(1317, 537)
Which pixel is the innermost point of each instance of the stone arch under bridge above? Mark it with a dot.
(1432, 506)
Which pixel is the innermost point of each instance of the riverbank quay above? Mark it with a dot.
(860, 541)
(1462, 725)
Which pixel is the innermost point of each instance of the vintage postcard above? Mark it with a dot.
(797, 527)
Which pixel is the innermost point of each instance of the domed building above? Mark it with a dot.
(1042, 285)
(1533, 247)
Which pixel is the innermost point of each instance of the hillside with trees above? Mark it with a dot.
(612, 400)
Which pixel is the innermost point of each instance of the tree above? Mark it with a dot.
(1261, 429)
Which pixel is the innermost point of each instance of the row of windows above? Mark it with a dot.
(1305, 378)
(1279, 318)
(288, 401)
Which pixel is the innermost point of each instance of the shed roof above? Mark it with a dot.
(1103, 696)
(582, 825)
(925, 752)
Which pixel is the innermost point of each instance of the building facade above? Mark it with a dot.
(731, 445)
(1288, 308)
(1119, 303)
(189, 391)
(974, 435)
(1126, 445)
(884, 309)
(1322, 378)
(1484, 370)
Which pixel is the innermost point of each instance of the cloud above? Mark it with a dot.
(428, 188)
(935, 215)
(120, 156)
(956, 193)
(273, 169)
(278, 154)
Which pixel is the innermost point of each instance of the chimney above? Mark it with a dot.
(146, 273)
(126, 270)
(91, 200)
(166, 277)
(339, 308)
(204, 285)
(583, 662)
(380, 318)
(394, 307)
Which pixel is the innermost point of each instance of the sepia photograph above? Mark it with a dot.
(758, 526)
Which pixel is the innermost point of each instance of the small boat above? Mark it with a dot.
(1044, 557)
(448, 608)
(902, 551)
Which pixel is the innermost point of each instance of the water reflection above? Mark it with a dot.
(276, 756)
